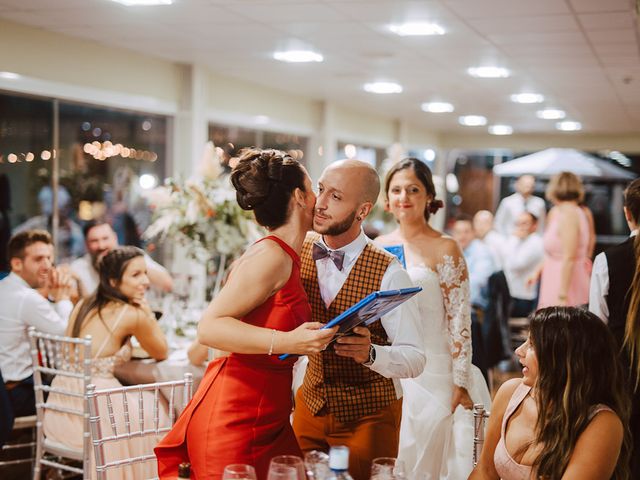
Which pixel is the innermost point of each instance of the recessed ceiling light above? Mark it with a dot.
(143, 3)
(261, 119)
(382, 87)
(437, 107)
(472, 120)
(417, 28)
(500, 130)
(298, 56)
(527, 98)
(488, 72)
(551, 114)
(569, 126)
(9, 75)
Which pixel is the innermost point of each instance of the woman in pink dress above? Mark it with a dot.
(566, 417)
(566, 269)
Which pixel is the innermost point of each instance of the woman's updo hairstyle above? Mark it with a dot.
(424, 175)
(264, 181)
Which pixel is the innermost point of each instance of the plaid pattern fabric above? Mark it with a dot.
(348, 390)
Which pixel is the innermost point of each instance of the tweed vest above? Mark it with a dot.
(347, 389)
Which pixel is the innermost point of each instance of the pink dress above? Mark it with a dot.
(506, 466)
(578, 293)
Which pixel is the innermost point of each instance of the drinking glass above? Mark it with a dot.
(387, 468)
(291, 461)
(317, 464)
(282, 472)
(239, 471)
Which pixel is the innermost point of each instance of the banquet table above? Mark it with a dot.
(147, 370)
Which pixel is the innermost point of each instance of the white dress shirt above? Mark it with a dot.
(512, 206)
(522, 257)
(405, 357)
(22, 307)
(599, 288)
(495, 242)
(88, 276)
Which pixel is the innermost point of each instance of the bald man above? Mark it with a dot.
(351, 392)
(522, 201)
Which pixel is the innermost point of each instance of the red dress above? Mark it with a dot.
(240, 412)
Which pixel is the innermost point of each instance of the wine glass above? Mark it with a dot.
(239, 471)
(387, 468)
(282, 472)
(291, 461)
(317, 464)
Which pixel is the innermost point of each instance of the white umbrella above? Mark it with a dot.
(547, 163)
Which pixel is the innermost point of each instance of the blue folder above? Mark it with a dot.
(398, 251)
(368, 310)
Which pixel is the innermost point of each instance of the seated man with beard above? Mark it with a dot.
(99, 239)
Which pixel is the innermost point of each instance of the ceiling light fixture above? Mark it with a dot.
(9, 75)
(472, 120)
(569, 126)
(488, 72)
(417, 28)
(500, 130)
(437, 107)
(298, 56)
(382, 88)
(551, 114)
(143, 3)
(527, 98)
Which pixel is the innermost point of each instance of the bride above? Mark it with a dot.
(436, 433)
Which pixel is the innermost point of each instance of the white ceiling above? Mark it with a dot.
(583, 55)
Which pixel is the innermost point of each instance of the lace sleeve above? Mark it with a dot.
(454, 282)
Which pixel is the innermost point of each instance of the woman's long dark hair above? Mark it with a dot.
(111, 268)
(579, 368)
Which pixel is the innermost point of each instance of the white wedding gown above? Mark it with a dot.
(435, 444)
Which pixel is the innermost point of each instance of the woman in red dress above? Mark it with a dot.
(240, 413)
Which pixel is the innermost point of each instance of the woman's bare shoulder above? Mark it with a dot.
(391, 238)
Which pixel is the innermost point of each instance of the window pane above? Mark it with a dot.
(107, 159)
(26, 127)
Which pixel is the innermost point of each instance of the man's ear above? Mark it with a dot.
(627, 215)
(16, 264)
(364, 210)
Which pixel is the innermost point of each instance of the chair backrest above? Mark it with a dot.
(105, 407)
(480, 416)
(54, 355)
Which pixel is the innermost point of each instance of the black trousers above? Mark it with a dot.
(23, 398)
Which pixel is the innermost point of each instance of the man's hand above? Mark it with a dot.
(355, 346)
(60, 284)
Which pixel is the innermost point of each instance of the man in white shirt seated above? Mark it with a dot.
(100, 238)
(494, 241)
(523, 253)
(21, 306)
(521, 201)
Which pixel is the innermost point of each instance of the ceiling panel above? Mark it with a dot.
(581, 54)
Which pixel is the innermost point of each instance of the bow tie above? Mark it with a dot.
(320, 251)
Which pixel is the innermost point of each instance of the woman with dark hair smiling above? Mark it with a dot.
(116, 311)
(566, 418)
(241, 411)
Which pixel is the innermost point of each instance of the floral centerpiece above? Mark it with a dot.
(202, 214)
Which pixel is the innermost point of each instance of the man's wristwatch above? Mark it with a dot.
(372, 356)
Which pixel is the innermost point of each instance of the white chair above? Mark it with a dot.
(480, 416)
(54, 355)
(100, 438)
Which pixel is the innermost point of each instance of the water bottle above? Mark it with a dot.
(339, 464)
(184, 471)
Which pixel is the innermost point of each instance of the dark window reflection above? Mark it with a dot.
(107, 159)
(26, 126)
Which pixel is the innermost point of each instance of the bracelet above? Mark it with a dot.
(273, 337)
